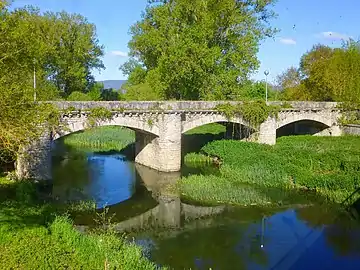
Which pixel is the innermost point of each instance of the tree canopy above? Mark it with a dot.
(325, 74)
(61, 48)
(197, 49)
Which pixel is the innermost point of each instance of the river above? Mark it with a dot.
(183, 236)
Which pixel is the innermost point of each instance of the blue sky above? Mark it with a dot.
(303, 23)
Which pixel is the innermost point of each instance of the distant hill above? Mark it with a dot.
(114, 84)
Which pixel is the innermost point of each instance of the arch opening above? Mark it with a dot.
(195, 139)
(104, 138)
(303, 127)
(129, 142)
(84, 167)
(70, 127)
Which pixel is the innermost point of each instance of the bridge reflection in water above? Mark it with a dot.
(169, 211)
(186, 236)
(154, 204)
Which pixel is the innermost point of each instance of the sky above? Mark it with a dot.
(302, 23)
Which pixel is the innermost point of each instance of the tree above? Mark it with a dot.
(3, 4)
(78, 96)
(291, 85)
(96, 90)
(61, 48)
(325, 74)
(20, 117)
(135, 71)
(313, 69)
(111, 95)
(290, 78)
(21, 120)
(140, 91)
(76, 51)
(197, 49)
(343, 73)
(255, 90)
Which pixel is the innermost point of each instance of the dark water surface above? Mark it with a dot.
(185, 236)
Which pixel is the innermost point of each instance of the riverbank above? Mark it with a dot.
(297, 169)
(39, 235)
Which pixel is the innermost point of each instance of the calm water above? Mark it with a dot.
(185, 236)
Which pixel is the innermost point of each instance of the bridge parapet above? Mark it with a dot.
(180, 105)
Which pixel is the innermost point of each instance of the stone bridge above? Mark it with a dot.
(159, 127)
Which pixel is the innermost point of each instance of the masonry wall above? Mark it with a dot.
(34, 160)
(351, 129)
(161, 152)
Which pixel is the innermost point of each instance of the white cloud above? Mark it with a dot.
(334, 36)
(119, 53)
(287, 41)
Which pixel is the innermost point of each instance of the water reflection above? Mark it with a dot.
(238, 239)
(169, 213)
(105, 179)
(185, 236)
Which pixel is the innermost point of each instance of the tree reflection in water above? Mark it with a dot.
(342, 233)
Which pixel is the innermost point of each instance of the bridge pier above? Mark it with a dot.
(34, 160)
(163, 152)
(267, 133)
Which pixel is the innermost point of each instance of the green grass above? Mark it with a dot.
(193, 158)
(104, 138)
(37, 235)
(214, 128)
(260, 174)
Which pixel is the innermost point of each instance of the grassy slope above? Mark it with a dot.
(259, 174)
(34, 235)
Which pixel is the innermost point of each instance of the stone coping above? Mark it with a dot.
(180, 105)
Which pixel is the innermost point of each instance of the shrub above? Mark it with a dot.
(78, 96)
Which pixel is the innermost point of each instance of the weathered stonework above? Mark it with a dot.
(34, 160)
(267, 133)
(351, 130)
(159, 126)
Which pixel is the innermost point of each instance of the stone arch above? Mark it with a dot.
(297, 117)
(200, 119)
(75, 124)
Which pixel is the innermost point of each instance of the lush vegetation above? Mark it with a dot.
(325, 74)
(106, 138)
(209, 47)
(254, 112)
(296, 168)
(38, 235)
(61, 48)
